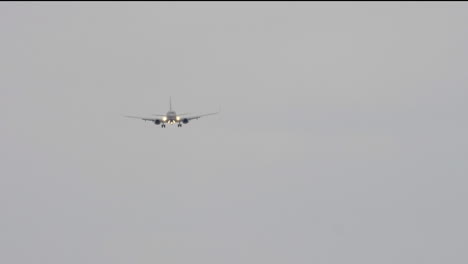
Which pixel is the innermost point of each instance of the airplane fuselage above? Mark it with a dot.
(171, 117)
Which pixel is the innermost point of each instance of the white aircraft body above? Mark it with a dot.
(171, 117)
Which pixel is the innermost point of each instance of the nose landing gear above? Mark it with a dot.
(163, 126)
(179, 125)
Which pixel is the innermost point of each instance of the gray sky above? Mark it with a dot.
(342, 137)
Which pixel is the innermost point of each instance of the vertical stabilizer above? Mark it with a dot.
(170, 104)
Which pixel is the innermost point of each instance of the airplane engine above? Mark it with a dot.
(157, 121)
(185, 120)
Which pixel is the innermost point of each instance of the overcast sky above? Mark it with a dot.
(342, 137)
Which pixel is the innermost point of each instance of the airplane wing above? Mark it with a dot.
(198, 116)
(143, 118)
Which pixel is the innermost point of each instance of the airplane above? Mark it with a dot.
(171, 117)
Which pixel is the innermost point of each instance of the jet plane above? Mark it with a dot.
(171, 117)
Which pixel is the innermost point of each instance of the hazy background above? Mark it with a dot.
(342, 137)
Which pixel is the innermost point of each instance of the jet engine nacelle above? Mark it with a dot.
(157, 121)
(185, 120)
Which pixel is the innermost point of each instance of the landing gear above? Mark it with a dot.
(179, 125)
(163, 126)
